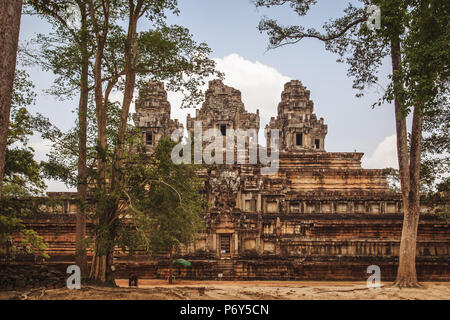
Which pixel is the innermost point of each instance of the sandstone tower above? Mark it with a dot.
(153, 115)
(299, 127)
(223, 109)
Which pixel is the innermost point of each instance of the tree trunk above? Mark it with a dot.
(103, 258)
(407, 275)
(131, 53)
(100, 105)
(107, 207)
(409, 168)
(171, 265)
(101, 120)
(101, 269)
(81, 257)
(10, 15)
(400, 123)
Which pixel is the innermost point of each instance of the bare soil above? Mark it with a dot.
(237, 290)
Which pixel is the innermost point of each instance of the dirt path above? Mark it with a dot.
(241, 290)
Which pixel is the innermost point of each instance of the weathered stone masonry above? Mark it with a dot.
(320, 217)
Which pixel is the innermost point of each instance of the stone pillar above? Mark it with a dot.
(351, 207)
(259, 203)
(236, 244)
(240, 202)
(214, 243)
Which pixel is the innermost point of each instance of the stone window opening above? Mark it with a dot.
(149, 138)
(225, 243)
(250, 205)
(317, 143)
(299, 139)
(223, 129)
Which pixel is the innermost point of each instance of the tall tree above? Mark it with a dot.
(419, 76)
(426, 76)
(82, 185)
(67, 53)
(122, 61)
(22, 173)
(10, 14)
(166, 203)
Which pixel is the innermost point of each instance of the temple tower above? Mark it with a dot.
(299, 127)
(152, 115)
(223, 109)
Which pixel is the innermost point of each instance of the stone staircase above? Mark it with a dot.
(226, 268)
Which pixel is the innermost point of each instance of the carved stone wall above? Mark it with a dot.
(264, 247)
(223, 106)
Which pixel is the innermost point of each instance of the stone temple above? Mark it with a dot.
(321, 216)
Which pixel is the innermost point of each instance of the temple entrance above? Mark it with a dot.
(225, 244)
(299, 139)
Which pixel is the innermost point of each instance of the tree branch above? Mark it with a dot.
(292, 35)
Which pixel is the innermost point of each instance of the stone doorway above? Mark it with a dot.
(225, 244)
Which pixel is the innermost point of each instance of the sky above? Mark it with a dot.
(240, 51)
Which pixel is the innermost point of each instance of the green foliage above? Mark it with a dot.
(426, 54)
(166, 53)
(166, 201)
(22, 172)
(62, 163)
(393, 180)
(60, 50)
(428, 47)
(12, 214)
(23, 175)
(436, 147)
(169, 53)
(440, 199)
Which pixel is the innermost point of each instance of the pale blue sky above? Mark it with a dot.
(230, 27)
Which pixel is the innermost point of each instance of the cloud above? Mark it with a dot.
(260, 85)
(40, 146)
(385, 155)
(57, 186)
